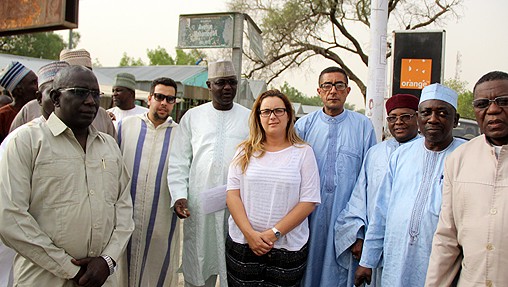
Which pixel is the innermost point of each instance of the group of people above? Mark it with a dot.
(266, 200)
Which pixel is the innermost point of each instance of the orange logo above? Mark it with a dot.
(415, 73)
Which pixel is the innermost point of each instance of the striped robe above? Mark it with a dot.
(153, 252)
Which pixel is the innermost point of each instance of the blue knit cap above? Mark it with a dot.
(47, 72)
(12, 75)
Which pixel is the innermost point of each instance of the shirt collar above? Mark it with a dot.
(57, 127)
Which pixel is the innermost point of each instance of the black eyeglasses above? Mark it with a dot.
(223, 82)
(82, 92)
(278, 112)
(160, 97)
(403, 117)
(339, 86)
(485, 103)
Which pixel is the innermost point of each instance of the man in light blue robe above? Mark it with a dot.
(353, 221)
(340, 139)
(408, 201)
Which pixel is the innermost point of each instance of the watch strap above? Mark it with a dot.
(277, 232)
(110, 263)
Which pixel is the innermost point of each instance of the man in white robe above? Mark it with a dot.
(153, 252)
(353, 221)
(204, 144)
(408, 201)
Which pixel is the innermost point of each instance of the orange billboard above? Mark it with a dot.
(415, 73)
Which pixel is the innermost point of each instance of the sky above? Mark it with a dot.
(110, 28)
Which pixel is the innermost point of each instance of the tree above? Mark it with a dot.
(46, 45)
(159, 56)
(130, 61)
(295, 96)
(296, 30)
(464, 102)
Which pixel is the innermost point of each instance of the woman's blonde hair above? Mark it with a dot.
(257, 137)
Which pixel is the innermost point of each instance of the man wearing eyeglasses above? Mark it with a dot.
(203, 146)
(65, 207)
(471, 244)
(153, 252)
(340, 139)
(124, 98)
(353, 221)
(408, 200)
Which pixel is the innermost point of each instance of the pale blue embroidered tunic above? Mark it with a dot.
(406, 214)
(360, 208)
(340, 144)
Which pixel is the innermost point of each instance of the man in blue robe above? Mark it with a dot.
(352, 223)
(408, 201)
(340, 139)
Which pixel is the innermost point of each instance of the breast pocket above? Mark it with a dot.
(58, 182)
(348, 163)
(436, 197)
(110, 182)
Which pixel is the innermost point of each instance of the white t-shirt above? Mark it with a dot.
(271, 187)
(120, 114)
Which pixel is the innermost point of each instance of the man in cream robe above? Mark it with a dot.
(144, 140)
(471, 242)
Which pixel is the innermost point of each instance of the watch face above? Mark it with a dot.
(277, 234)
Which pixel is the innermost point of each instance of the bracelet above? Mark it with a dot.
(110, 263)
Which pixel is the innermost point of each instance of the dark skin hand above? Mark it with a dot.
(356, 249)
(362, 275)
(93, 273)
(181, 208)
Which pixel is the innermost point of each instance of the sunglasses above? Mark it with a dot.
(223, 82)
(160, 97)
(82, 92)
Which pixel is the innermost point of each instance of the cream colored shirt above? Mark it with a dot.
(472, 229)
(58, 202)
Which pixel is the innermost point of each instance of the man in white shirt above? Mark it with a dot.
(124, 96)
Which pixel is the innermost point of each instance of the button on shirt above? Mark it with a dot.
(58, 202)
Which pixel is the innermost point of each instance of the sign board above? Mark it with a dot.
(256, 41)
(17, 17)
(418, 61)
(205, 31)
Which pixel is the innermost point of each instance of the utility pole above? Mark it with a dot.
(376, 85)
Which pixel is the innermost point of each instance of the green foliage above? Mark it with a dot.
(159, 56)
(190, 58)
(295, 96)
(46, 45)
(130, 61)
(464, 102)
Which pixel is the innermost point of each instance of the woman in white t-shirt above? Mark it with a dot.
(273, 185)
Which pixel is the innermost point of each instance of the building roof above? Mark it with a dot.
(187, 75)
(35, 64)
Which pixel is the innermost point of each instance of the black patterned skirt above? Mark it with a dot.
(278, 267)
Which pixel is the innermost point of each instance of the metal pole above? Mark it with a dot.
(376, 85)
(70, 39)
(237, 52)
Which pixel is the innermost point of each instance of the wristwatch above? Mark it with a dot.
(277, 232)
(111, 264)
